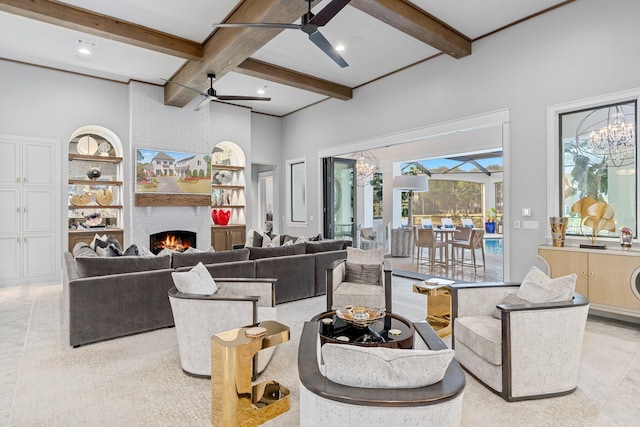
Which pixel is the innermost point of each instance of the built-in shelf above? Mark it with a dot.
(95, 207)
(106, 159)
(227, 167)
(227, 206)
(226, 187)
(92, 182)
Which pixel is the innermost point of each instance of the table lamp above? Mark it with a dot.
(412, 184)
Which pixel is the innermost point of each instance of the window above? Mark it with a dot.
(598, 159)
(296, 194)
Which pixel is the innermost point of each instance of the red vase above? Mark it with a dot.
(214, 216)
(223, 217)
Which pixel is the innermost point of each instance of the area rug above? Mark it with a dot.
(420, 276)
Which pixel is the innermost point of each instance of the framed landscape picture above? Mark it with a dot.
(172, 172)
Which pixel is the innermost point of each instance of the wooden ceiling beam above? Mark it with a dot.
(227, 48)
(415, 22)
(53, 12)
(276, 74)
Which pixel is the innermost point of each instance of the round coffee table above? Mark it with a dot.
(391, 331)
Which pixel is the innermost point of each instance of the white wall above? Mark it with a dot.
(583, 49)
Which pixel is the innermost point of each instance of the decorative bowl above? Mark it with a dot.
(361, 317)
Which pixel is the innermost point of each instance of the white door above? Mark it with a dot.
(37, 164)
(39, 251)
(10, 210)
(10, 254)
(10, 170)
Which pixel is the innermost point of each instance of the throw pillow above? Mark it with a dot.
(288, 243)
(509, 299)
(360, 256)
(257, 239)
(109, 251)
(249, 241)
(195, 281)
(145, 252)
(97, 238)
(380, 367)
(131, 251)
(191, 250)
(537, 287)
(270, 241)
(363, 273)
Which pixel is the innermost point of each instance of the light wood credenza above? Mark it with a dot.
(609, 278)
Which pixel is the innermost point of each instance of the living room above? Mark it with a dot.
(567, 55)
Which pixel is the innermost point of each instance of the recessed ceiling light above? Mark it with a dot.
(340, 47)
(262, 90)
(85, 47)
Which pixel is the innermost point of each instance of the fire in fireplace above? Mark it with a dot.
(176, 240)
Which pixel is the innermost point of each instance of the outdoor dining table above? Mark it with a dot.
(446, 235)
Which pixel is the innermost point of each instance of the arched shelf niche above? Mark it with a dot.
(95, 204)
(228, 197)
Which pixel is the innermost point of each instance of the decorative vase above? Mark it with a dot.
(214, 216)
(626, 238)
(558, 230)
(490, 227)
(223, 217)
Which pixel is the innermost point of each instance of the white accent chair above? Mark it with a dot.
(531, 351)
(237, 303)
(324, 402)
(340, 292)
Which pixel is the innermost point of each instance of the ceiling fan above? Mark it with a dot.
(211, 93)
(309, 23)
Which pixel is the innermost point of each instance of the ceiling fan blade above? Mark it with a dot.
(328, 12)
(186, 87)
(319, 40)
(258, 25)
(241, 98)
(204, 102)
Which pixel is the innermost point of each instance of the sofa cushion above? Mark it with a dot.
(380, 367)
(82, 249)
(189, 259)
(98, 266)
(195, 281)
(537, 287)
(360, 256)
(482, 334)
(314, 247)
(367, 274)
(257, 253)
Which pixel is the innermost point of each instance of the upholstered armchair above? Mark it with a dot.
(372, 387)
(519, 350)
(343, 290)
(237, 303)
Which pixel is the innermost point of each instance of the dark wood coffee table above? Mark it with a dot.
(391, 331)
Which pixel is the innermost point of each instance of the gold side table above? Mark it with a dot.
(234, 401)
(438, 304)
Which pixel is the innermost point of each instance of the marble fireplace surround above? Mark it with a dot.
(152, 220)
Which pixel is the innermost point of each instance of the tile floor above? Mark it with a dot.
(137, 380)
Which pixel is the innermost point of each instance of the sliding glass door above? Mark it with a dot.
(339, 204)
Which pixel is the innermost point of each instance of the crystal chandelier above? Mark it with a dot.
(366, 165)
(614, 140)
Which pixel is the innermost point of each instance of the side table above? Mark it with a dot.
(438, 303)
(234, 401)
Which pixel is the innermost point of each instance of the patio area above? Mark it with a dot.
(493, 271)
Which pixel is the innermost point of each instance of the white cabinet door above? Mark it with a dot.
(10, 210)
(38, 209)
(39, 253)
(10, 170)
(37, 164)
(10, 251)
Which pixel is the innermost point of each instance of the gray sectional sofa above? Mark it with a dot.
(112, 297)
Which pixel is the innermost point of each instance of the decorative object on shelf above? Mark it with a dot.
(104, 197)
(558, 230)
(80, 200)
(104, 148)
(93, 219)
(222, 177)
(366, 165)
(598, 216)
(411, 184)
(626, 238)
(361, 317)
(214, 216)
(87, 145)
(94, 172)
(223, 217)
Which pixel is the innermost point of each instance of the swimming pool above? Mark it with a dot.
(493, 246)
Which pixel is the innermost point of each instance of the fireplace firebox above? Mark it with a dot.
(176, 240)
